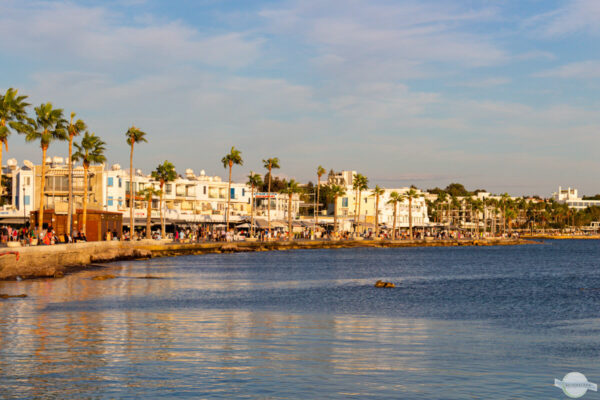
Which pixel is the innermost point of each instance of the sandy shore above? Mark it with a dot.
(55, 261)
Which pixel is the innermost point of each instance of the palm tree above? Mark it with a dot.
(377, 192)
(74, 129)
(477, 208)
(504, 199)
(164, 173)
(148, 193)
(363, 184)
(320, 172)
(411, 195)
(133, 135)
(254, 180)
(270, 164)
(291, 187)
(12, 117)
(336, 191)
(442, 198)
(90, 151)
(48, 125)
(234, 157)
(395, 198)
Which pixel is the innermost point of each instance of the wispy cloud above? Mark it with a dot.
(484, 83)
(575, 16)
(577, 70)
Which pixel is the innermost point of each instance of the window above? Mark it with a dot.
(110, 181)
(110, 201)
(204, 189)
(344, 202)
(233, 193)
(169, 188)
(26, 200)
(28, 181)
(120, 182)
(243, 192)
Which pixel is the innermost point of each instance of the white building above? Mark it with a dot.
(570, 197)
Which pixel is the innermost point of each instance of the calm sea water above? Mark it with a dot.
(463, 323)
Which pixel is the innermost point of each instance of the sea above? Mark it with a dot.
(498, 322)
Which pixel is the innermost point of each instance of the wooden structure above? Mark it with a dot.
(98, 222)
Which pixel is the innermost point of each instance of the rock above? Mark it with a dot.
(382, 284)
(103, 277)
(8, 296)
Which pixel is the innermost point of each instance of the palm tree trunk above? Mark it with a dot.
(42, 184)
(148, 219)
(70, 200)
(228, 197)
(316, 201)
(359, 199)
(269, 203)
(376, 215)
(85, 198)
(410, 230)
(252, 213)
(290, 233)
(131, 196)
(163, 232)
(335, 213)
(394, 226)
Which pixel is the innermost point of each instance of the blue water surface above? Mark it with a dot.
(463, 322)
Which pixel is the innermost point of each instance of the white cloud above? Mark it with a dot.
(96, 37)
(575, 16)
(364, 39)
(580, 70)
(484, 83)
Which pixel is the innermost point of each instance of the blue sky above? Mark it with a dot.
(495, 94)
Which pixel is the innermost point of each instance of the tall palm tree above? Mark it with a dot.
(504, 200)
(148, 193)
(13, 117)
(320, 172)
(270, 164)
(290, 189)
(234, 157)
(74, 129)
(133, 135)
(254, 180)
(363, 184)
(355, 185)
(477, 208)
(164, 173)
(395, 198)
(377, 192)
(411, 195)
(47, 126)
(90, 151)
(336, 191)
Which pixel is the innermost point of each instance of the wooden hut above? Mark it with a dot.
(98, 222)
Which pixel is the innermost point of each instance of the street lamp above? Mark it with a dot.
(24, 212)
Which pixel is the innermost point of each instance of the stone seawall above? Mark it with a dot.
(55, 261)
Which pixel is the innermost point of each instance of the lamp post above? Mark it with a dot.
(24, 211)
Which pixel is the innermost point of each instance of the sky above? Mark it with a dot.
(500, 95)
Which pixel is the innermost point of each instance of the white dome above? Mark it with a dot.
(48, 160)
(11, 162)
(202, 173)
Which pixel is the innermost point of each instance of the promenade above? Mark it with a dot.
(55, 261)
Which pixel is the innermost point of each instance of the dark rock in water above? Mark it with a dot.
(103, 277)
(9, 296)
(382, 284)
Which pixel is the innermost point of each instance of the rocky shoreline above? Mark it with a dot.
(55, 261)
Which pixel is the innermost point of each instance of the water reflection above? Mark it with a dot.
(206, 331)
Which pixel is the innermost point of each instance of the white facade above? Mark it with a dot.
(419, 210)
(570, 197)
